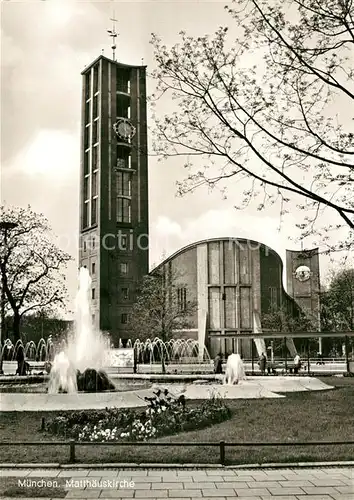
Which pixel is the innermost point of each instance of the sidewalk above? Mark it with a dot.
(189, 484)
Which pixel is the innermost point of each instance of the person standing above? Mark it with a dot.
(218, 363)
(297, 364)
(263, 363)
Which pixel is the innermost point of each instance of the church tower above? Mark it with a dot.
(114, 221)
(303, 280)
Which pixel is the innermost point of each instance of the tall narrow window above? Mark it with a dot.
(85, 216)
(123, 210)
(93, 293)
(182, 299)
(124, 318)
(123, 184)
(95, 132)
(87, 86)
(94, 211)
(125, 293)
(86, 187)
(87, 136)
(86, 162)
(87, 112)
(95, 79)
(94, 184)
(95, 106)
(95, 158)
(93, 268)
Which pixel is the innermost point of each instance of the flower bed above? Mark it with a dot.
(164, 415)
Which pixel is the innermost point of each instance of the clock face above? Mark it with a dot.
(303, 273)
(124, 129)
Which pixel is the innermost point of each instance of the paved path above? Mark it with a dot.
(190, 484)
(253, 387)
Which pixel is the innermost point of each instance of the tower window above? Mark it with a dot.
(123, 268)
(94, 184)
(123, 83)
(122, 110)
(93, 242)
(95, 158)
(95, 132)
(87, 112)
(124, 318)
(123, 210)
(87, 86)
(125, 293)
(87, 136)
(123, 159)
(123, 242)
(86, 187)
(95, 79)
(182, 299)
(95, 106)
(93, 268)
(86, 162)
(123, 183)
(93, 294)
(85, 221)
(94, 211)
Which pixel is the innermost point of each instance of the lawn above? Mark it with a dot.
(17, 487)
(300, 417)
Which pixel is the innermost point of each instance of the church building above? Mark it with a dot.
(233, 281)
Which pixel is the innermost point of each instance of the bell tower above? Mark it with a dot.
(303, 280)
(114, 221)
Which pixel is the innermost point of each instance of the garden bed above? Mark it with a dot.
(164, 415)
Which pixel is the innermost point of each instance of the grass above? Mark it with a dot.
(13, 487)
(302, 417)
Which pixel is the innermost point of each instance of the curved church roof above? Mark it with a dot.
(211, 240)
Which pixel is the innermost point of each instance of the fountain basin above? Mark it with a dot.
(41, 387)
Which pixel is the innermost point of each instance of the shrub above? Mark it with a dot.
(164, 415)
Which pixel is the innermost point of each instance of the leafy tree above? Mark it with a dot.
(337, 308)
(32, 266)
(162, 306)
(287, 321)
(269, 104)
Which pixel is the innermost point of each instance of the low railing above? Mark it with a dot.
(222, 445)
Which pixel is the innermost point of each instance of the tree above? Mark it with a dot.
(162, 306)
(282, 320)
(32, 266)
(268, 106)
(337, 303)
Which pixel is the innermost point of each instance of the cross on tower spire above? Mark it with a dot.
(113, 33)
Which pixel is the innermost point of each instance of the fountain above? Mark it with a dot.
(235, 370)
(181, 351)
(79, 366)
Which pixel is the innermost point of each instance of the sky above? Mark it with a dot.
(45, 46)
